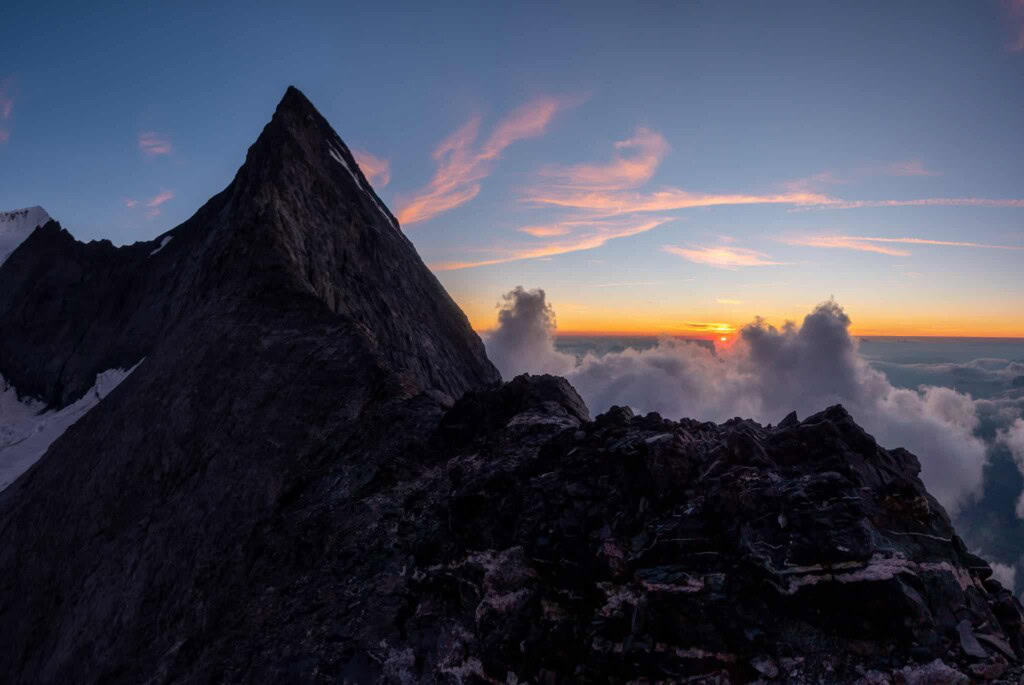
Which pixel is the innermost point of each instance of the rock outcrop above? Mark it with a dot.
(315, 475)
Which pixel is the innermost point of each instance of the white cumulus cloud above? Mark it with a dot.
(766, 374)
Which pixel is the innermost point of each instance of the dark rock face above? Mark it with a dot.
(299, 227)
(315, 476)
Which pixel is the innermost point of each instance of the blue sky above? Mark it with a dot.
(839, 115)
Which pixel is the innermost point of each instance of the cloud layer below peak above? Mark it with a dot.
(767, 373)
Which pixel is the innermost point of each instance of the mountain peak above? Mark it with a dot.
(295, 99)
(298, 229)
(18, 224)
(298, 143)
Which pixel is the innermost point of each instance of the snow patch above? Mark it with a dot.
(340, 159)
(163, 243)
(17, 225)
(27, 428)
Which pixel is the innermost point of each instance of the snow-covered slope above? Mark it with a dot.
(27, 429)
(17, 225)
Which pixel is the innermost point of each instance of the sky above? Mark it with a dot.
(670, 168)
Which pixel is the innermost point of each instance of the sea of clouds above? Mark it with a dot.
(768, 372)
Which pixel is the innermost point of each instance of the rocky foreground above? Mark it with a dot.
(315, 475)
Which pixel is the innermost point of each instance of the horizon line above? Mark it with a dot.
(697, 335)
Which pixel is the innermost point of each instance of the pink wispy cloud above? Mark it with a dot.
(587, 237)
(831, 203)
(160, 198)
(636, 160)
(4, 135)
(845, 243)
(909, 168)
(597, 199)
(546, 231)
(602, 204)
(154, 144)
(815, 182)
(376, 169)
(664, 200)
(722, 257)
(824, 179)
(885, 245)
(608, 188)
(152, 205)
(461, 165)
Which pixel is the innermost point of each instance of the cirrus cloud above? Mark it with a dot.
(883, 245)
(722, 257)
(154, 144)
(376, 169)
(461, 165)
(585, 235)
(152, 205)
(636, 160)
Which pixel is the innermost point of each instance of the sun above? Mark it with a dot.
(723, 338)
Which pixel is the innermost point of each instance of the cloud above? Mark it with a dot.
(376, 170)
(844, 242)
(709, 327)
(527, 121)
(523, 338)
(160, 198)
(727, 300)
(1005, 574)
(592, 195)
(153, 144)
(152, 205)
(461, 166)
(636, 160)
(909, 168)
(767, 373)
(881, 245)
(815, 182)
(924, 202)
(722, 257)
(4, 135)
(1013, 438)
(662, 200)
(546, 231)
(582, 235)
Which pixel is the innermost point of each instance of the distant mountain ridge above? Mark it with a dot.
(16, 225)
(314, 474)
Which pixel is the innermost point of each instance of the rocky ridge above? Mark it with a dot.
(315, 475)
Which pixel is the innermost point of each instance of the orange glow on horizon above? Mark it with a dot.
(608, 325)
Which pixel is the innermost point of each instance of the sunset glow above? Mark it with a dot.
(650, 181)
